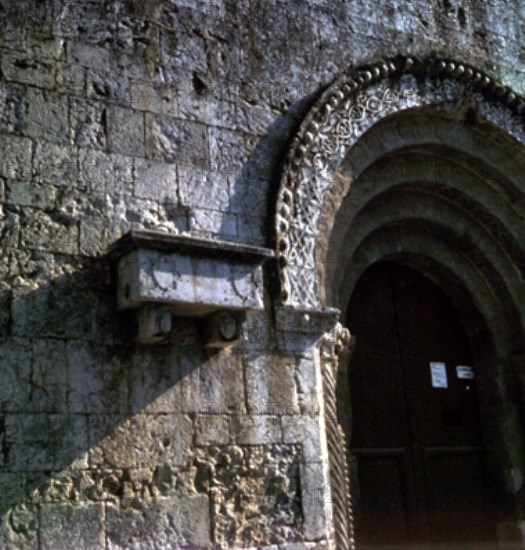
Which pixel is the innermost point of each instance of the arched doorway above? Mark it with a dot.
(420, 162)
(416, 437)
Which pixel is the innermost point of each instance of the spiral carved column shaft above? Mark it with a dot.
(340, 496)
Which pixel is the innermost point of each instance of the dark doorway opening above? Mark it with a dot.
(416, 439)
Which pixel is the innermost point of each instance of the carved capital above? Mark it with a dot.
(335, 341)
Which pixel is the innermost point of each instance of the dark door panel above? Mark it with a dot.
(420, 461)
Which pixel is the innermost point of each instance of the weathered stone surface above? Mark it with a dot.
(197, 185)
(156, 180)
(19, 527)
(65, 526)
(16, 157)
(126, 131)
(49, 377)
(55, 164)
(257, 429)
(105, 173)
(142, 440)
(172, 140)
(46, 441)
(212, 381)
(88, 123)
(212, 429)
(96, 378)
(162, 523)
(270, 385)
(155, 380)
(265, 507)
(15, 373)
(47, 117)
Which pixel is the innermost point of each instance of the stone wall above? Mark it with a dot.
(170, 115)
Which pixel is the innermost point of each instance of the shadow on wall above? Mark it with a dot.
(100, 436)
(255, 184)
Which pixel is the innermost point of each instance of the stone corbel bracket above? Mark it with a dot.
(161, 275)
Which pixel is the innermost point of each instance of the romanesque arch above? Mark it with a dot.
(421, 161)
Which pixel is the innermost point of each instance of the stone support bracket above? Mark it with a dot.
(161, 275)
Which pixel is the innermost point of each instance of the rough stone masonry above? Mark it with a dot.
(174, 116)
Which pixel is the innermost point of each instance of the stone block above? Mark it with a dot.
(97, 378)
(212, 381)
(155, 380)
(13, 108)
(88, 123)
(252, 230)
(45, 231)
(23, 67)
(40, 442)
(53, 312)
(200, 188)
(213, 222)
(88, 55)
(15, 373)
(19, 528)
(270, 385)
(72, 525)
(257, 429)
(171, 140)
(49, 379)
(105, 85)
(212, 429)
(70, 78)
(163, 523)
(304, 430)
(15, 161)
(315, 497)
(178, 51)
(105, 173)
(126, 131)
(153, 97)
(156, 180)
(228, 151)
(24, 193)
(55, 164)
(11, 490)
(140, 441)
(47, 117)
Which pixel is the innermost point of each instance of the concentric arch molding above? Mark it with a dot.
(347, 109)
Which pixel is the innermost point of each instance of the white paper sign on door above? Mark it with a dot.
(465, 372)
(438, 373)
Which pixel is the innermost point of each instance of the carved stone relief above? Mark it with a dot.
(355, 102)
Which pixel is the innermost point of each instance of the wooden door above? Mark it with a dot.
(416, 435)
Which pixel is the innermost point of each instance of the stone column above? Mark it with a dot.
(331, 347)
(315, 339)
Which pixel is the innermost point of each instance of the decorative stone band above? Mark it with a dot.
(331, 347)
(348, 108)
(165, 274)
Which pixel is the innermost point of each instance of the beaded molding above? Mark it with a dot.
(348, 108)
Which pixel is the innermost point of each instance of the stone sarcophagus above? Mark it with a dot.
(161, 275)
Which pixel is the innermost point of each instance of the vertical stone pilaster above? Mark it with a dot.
(315, 339)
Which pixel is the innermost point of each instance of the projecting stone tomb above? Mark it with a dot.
(161, 275)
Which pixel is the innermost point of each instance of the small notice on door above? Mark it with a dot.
(438, 373)
(467, 373)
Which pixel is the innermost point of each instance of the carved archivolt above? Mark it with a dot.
(355, 102)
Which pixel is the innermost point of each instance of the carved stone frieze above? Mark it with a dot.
(355, 102)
